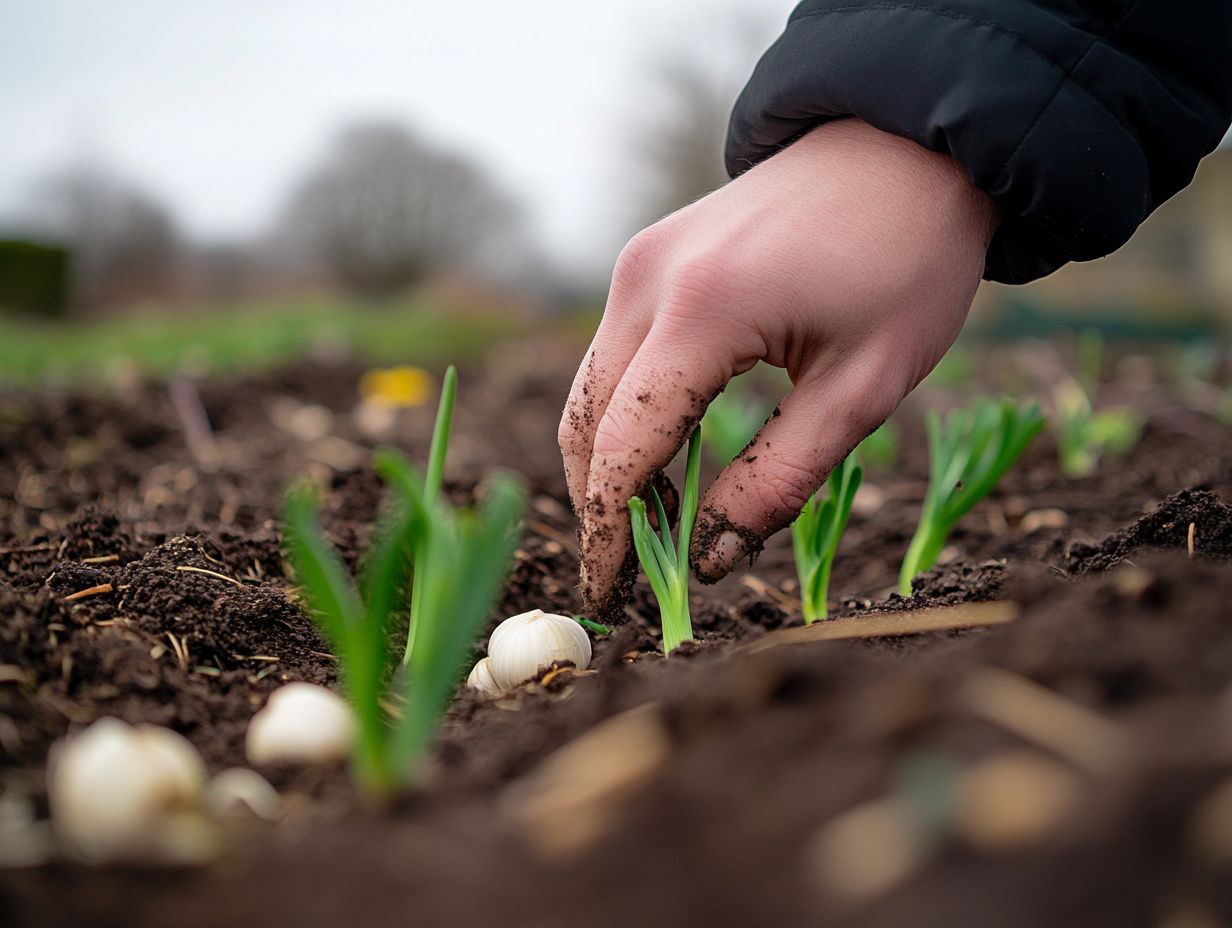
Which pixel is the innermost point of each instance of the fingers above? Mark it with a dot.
(626, 321)
(613, 347)
(676, 372)
(765, 488)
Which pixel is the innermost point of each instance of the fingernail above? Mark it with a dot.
(725, 552)
(729, 549)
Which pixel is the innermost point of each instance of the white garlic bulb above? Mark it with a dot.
(125, 793)
(522, 644)
(481, 679)
(301, 723)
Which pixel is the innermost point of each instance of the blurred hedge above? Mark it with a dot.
(34, 277)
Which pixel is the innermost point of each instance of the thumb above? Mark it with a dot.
(766, 486)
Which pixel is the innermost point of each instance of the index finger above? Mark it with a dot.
(653, 410)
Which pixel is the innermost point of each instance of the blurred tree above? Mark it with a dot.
(383, 211)
(123, 246)
(682, 122)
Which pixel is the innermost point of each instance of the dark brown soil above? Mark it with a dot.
(184, 619)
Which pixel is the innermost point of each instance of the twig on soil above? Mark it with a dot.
(210, 573)
(101, 559)
(256, 657)
(30, 549)
(762, 588)
(1044, 718)
(1189, 541)
(893, 625)
(11, 673)
(180, 648)
(91, 591)
(193, 419)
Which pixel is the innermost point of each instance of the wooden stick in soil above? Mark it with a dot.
(209, 573)
(30, 549)
(893, 624)
(101, 559)
(198, 434)
(1045, 718)
(90, 591)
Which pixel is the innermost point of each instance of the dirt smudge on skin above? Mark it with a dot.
(711, 526)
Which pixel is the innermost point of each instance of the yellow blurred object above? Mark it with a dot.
(395, 387)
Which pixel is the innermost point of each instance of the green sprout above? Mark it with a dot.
(969, 452)
(595, 628)
(1084, 435)
(730, 422)
(431, 492)
(469, 552)
(666, 563)
(816, 532)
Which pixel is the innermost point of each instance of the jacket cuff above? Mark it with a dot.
(1071, 177)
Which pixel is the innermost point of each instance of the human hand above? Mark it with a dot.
(849, 258)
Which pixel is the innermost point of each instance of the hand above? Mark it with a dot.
(849, 258)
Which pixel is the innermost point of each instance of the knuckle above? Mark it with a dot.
(872, 395)
(616, 433)
(637, 261)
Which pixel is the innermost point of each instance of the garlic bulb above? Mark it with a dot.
(301, 723)
(522, 644)
(481, 679)
(125, 793)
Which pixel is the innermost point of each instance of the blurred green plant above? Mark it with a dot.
(1084, 435)
(816, 532)
(230, 340)
(34, 277)
(955, 369)
(881, 448)
(731, 421)
(969, 451)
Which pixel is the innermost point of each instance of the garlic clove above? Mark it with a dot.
(240, 791)
(481, 679)
(301, 723)
(120, 793)
(523, 643)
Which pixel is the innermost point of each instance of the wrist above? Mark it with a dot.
(894, 165)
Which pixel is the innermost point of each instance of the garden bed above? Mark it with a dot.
(843, 782)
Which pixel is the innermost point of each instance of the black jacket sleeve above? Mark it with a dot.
(1078, 116)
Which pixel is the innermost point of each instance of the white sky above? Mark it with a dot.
(218, 107)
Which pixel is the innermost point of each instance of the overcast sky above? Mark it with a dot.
(217, 107)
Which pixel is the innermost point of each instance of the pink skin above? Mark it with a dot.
(850, 259)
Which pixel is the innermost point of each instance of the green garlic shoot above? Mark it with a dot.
(469, 552)
(969, 452)
(1084, 435)
(666, 563)
(430, 493)
(816, 532)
